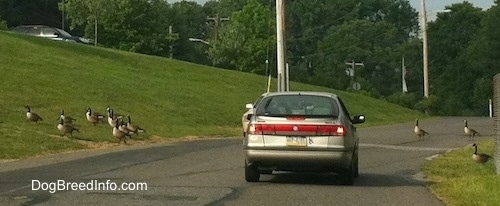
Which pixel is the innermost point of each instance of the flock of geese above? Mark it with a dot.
(120, 129)
(479, 158)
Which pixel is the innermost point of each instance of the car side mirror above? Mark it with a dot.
(358, 119)
(249, 106)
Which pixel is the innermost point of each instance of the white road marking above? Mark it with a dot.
(408, 148)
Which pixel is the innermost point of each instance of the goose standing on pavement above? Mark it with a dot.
(31, 116)
(479, 158)
(419, 131)
(469, 132)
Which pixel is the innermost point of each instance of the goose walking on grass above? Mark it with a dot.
(470, 132)
(120, 135)
(112, 121)
(123, 127)
(31, 116)
(66, 119)
(419, 131)
(479, 158)
(134, 128)
(92, 117)
(114, 115)
(66, 128)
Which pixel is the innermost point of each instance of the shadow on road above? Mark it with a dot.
(364, 180)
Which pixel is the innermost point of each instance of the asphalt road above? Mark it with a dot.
(210, 172)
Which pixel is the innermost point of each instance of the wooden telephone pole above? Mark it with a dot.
(171, 38)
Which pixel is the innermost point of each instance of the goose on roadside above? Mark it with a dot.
(66, 128)
(120, 135)
(66, 119)
(470, 132)
(419, 131)
(122, 126)
(479, 158)
(115, 115)
(92, 117)
(112, 121)
(134, 128)
(31, 116)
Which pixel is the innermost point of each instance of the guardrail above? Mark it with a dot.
(496, 116)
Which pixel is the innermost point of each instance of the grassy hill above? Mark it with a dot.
(169, 98)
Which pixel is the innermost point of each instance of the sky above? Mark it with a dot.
(430, 4)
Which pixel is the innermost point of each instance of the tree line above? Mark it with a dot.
(322, 38)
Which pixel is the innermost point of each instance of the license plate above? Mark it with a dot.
(296, 141)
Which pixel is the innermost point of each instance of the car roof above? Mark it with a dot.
(34, 25)
(315, 93)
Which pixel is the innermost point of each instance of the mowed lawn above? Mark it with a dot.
(169, 98)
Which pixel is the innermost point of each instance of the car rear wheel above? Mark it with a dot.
(356, 164)
(252, 174)
(347, 176)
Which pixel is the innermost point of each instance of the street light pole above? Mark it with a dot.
(280, 41)
(425, 50)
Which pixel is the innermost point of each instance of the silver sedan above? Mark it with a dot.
(301, 131)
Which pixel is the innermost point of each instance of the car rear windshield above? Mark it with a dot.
(298, 105)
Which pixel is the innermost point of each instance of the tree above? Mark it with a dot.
(247, 35)
(189, 21)
(372, 43)
(482, 57)
(452, 76)
(89, 13)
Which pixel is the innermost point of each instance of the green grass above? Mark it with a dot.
(458, 180)
(169, 98)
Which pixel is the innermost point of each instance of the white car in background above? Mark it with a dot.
(50, 32)
(248, 114)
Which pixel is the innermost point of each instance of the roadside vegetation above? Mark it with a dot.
(169, 98)
(458, 180)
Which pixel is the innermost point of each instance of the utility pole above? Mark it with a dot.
(63, 5)
(352, 73)
(281, 47)
(171, 38)
(218, 21)
(425, 50)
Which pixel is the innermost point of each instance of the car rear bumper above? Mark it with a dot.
(299, 159)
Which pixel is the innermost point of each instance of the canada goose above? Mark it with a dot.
(66, 119)
(115, 115)
(123, 127)
(31, 116)
(419, 131)
(112, 121)
(479, 158)
(132, 127)
(470, 132)
(92, 117)
(120, 135)
(66, 128)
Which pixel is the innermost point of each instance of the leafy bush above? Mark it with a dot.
(407, 100)
(3, 24)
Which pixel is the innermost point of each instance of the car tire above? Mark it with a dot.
(252, 174)
(356, 164)
(347, 176)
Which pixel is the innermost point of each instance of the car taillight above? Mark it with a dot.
(333, 130)
(291, 129)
